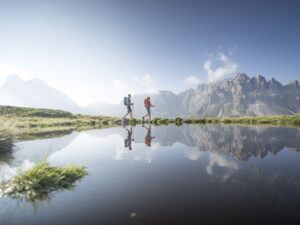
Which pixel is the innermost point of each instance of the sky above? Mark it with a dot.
(101, 50)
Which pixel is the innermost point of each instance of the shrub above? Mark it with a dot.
(189, 121)
(38, 182)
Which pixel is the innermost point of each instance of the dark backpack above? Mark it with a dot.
(125, 101)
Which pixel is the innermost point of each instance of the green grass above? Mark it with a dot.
(38, 182)
(33, 112)
(28, 122)
(290, 120)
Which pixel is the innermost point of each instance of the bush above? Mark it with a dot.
(189, 121)
(178, 120)
(164, 121)
(38, 182)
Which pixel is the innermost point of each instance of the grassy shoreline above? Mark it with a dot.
(27, 123)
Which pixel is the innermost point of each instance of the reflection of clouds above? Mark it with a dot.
(217, 161)
(120, 152)
(193, 154)
(145, 156)
(155, 145)
(138, 153)
(148, 157)
(218, 165)
(7, 171)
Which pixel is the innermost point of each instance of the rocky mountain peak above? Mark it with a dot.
(294, 83)
(260, 79)
(274, 83)
(242, 77)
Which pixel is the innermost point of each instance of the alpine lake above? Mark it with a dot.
(189, 174)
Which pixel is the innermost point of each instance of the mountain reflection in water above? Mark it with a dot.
(208, 174)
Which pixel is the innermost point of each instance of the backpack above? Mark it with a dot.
(146, 103)
(147, 140)
(125, 101)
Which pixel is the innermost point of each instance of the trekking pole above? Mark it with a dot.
(132, 111)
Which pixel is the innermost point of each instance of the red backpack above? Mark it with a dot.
(146, 103)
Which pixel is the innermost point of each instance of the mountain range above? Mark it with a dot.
(238, 96)
(35, 93)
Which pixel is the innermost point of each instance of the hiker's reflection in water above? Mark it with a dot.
(128, 141)
(148, 137)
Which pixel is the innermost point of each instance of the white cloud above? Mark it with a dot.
(8, 69)
(216, 67)
(145, 84)
(192, 81)
(193, 154)
(216, 160)
(225, 67)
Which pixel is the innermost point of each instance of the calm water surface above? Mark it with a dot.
(166, 175)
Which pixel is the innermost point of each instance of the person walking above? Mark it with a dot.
(128, 104)
(148, 105)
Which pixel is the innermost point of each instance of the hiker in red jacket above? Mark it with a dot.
(148, 105)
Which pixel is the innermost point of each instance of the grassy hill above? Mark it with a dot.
(26, 122)
(32, 112)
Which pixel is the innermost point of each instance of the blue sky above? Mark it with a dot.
(100, 50)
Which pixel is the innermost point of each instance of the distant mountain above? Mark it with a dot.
(244, 96)
(35, 93)
(239, 96)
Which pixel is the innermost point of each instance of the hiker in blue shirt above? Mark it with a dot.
(128, 104)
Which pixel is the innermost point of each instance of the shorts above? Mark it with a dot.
(129, 110)
(148, 110)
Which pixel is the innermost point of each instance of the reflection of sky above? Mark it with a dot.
(144, 179)
(88, 149)
(38, 150)
(104, 146)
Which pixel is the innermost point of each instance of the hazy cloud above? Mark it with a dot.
(145, 84)
(192, 81)
(219, 66)
(134, 85)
